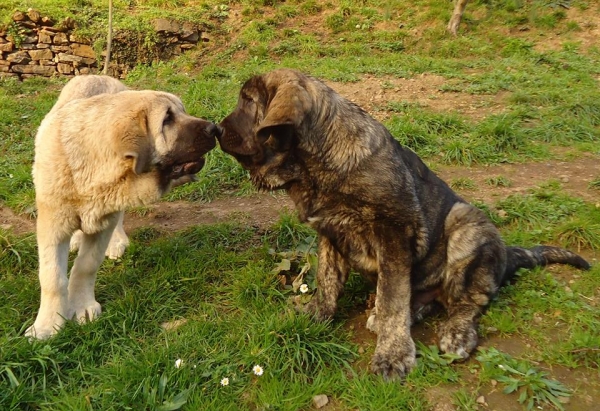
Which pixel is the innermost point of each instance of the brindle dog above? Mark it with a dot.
(377, 209)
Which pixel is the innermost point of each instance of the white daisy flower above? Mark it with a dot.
(178, 363)
(258, 370)
(225, 382)
(304, 288)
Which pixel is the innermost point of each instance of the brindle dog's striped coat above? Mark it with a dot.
(377, 209)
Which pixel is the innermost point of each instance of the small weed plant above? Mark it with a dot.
(499, 181)
(594, 184)
(463, 183)
(519, 376)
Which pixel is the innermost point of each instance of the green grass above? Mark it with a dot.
(595, 183)
(498, 181)
(234, 323)
(225, 279)
(462, 183)
(220, 279)
(563, 317)
(547, 215)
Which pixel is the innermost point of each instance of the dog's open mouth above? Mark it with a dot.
(191, 167)
(178, 170)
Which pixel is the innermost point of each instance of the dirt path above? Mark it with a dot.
(263, 209)
(574, 176)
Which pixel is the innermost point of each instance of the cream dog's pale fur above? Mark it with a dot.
(102, 148)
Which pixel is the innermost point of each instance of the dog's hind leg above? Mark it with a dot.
(82, 300)
(76, 239)
(476, 260)
(53, 250)
(458, 335)
(467, 296)
(118, 241)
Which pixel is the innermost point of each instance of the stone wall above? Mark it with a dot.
(34, 45)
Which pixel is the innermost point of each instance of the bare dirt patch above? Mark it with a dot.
(585, 34)
(574, 176)
(261, 210)
(425, 90)
(264, 209)
(440, 398)
(15, 223)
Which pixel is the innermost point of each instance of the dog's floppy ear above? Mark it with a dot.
(134, 141)
(287, 108)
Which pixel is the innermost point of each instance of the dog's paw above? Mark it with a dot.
(39, 333)
(318, 311)
(86, 311)
(116, 249)
(458, 341)
(44, 328)
(118, 243)
(394, 361)
(372, 322)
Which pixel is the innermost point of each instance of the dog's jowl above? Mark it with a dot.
(377, 209)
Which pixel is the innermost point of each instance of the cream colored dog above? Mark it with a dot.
(85, 87)
(102, 148)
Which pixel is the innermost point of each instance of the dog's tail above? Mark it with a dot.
(518, 257)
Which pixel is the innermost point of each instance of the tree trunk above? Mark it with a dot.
(109, 39)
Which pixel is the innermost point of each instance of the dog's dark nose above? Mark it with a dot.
(214, 130)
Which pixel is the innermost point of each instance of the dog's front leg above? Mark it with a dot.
(53, 251)
(332, 274)
(395, 354)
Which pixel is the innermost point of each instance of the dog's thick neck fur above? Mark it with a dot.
(338, 145)
(347, 123)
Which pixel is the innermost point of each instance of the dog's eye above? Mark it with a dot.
(247, 98)
(264, 136)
